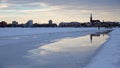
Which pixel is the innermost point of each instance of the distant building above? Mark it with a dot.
(14, 23)
(3, 24)
(29, 23)
(50, 22)
(69, 24)
(93, 21)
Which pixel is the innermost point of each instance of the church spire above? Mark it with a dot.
(91, 17)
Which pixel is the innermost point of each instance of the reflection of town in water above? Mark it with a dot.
(68, 52)
(98, 34)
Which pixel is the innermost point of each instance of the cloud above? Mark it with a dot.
(62, 9)
(68, 4)
(41, 10)
(3, 6)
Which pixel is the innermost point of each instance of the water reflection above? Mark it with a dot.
(67, 53)
(98, 34)
(93, 35)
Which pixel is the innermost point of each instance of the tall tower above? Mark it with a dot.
(91, 17)
(50, 22)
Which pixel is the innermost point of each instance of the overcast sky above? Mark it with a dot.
(59, 10)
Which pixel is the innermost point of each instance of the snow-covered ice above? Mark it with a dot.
(38, 31)
(18, 45)
(109, 54)
(66, 53)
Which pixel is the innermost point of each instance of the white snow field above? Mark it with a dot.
(109, 55)
(37, 31)
(49, 47)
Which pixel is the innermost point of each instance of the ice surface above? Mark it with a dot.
(109, 55)
(15, 43)
(66, 53)
(38, 31)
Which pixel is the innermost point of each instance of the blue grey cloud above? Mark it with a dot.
(70, 3)
(89, 5)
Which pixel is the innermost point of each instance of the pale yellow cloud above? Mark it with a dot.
(4, 5)
(43, 4)
(47, 9)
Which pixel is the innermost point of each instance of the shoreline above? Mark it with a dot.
(108, 55)
(101, 46)
(8, 32)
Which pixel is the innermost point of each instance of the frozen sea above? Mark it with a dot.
(49, 47)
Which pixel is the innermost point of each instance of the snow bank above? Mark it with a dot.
(109, 55)
(34, 31)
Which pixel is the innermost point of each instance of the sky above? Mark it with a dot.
(40, 11)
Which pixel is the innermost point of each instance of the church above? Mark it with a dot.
(93, 21)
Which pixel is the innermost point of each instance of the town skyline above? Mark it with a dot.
(68, 10)
(91, 16)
